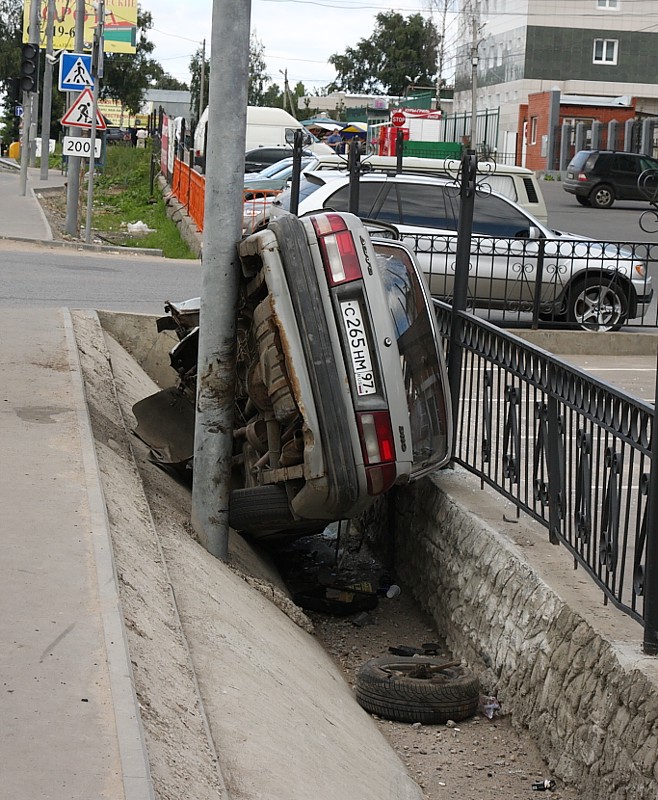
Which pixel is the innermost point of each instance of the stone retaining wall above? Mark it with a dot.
(568, 668)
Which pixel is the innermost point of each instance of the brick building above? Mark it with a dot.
(535, 123)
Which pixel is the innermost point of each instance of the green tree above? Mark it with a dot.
(198, 59)
(11, 31)
(399, 48)
(258, 77)
(127, 76)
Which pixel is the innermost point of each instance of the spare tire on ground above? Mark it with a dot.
(417, 689)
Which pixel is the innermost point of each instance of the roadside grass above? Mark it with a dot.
(122, 196)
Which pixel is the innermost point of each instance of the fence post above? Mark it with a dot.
(596, 135)
(628, 135)
(613, 133)
(354, 168)
(650, 645)
(580, 136)
(565, 144)
(462, 263)
(536, 301)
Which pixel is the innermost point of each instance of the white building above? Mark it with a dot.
(603, 48)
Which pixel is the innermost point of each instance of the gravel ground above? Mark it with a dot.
(473, 758)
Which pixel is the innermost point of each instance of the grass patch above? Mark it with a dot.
(122, 195)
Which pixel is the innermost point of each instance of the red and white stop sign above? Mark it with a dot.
(398, 119)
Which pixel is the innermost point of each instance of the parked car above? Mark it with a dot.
(589, 284)
(261, 157)
(341, 389)
(517, 183)
(273, 178)
(117, 135)
(599, 177)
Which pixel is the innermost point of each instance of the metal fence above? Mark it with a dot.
(569, 450)
(547, 282)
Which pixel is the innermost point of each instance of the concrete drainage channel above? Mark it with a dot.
(536, 631)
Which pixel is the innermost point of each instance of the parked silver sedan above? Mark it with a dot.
(516, 261)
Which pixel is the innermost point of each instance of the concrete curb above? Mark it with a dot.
(130, 735)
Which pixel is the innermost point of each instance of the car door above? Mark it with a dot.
(624, 172)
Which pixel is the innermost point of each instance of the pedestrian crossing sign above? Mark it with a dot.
(80, 115)
(75, 72)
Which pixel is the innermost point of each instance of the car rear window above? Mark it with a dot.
(307, 185)
(579, 160)
(419, 357)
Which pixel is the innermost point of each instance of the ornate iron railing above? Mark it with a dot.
(569, 450)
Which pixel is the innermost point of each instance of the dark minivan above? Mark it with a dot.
(599, 177)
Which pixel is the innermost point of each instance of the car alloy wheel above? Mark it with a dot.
(602, 197)
(598, 306)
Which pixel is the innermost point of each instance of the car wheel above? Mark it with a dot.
(603, 196)
(417, 689)
(598, 304)
(264, 512)
(584, 201)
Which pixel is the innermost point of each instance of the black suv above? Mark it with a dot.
(599, 177)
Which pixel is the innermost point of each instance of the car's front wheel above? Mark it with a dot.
(598, 304)
(584, 201)
(603, 196)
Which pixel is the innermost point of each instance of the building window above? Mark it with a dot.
(605, 51)
(533, 130)
(614, 4)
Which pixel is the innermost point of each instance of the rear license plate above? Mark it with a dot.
(569, 174)
(358, 347)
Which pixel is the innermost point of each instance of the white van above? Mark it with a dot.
(517, 183)
(266, 127)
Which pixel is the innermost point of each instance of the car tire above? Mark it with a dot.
(264, 512)
(417, 689)
(584, 201)
(603, 196)
(597, 304)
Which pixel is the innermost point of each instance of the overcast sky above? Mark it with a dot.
(297, 35)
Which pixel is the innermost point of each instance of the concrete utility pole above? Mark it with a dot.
(222, 229)
(73, 171)
(474, 80)
(47, 96)
(202, 83)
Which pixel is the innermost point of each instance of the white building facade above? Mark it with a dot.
(604, 48)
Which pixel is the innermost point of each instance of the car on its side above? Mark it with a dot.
(341, 388)
(584, 283)
(599, 177)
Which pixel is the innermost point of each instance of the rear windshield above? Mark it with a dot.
(420, 355)
(578, 161)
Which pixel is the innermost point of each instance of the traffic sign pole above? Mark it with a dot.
(97, 71)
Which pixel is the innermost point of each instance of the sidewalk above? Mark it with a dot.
(21, 216)
(71, 726)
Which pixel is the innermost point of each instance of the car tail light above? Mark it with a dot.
(582, 176)
(378, 447)
(339, 254)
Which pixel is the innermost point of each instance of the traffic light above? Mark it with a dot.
(30, 66)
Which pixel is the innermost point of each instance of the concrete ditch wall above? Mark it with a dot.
(570, 669)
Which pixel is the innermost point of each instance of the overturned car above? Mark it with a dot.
(341, 389)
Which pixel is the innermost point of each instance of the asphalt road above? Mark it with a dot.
(42, 276)
(621, 223)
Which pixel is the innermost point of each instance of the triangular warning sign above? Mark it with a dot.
(78, 75)
(80, 113)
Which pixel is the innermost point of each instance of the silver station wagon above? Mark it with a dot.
(516, 261)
